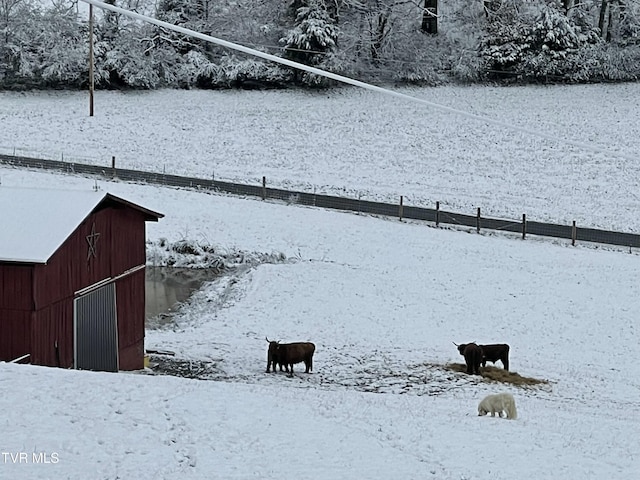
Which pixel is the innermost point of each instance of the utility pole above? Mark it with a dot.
(91, 85)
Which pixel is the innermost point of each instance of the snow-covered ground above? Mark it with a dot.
(365, 144)
(382, 300)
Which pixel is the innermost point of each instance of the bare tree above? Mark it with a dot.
(430, 17)
(612, 13)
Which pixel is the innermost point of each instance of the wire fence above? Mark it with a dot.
(522, 227)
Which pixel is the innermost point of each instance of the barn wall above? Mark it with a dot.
(119, 247)
(15, 310)
(16, 286)
(15, 334)
(130, 310)
(53, 324)
(128, 240)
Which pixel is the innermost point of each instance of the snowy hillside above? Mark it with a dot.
(382, 300)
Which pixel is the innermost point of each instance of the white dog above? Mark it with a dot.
(497, 404)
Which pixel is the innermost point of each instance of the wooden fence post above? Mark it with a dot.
(264, 188)
(573, 233)
(113, 166)
(478, 221)
(400, 210)
(524, 225)
(437, 214)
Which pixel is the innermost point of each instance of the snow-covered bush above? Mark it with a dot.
(547, 45)
(250, 73)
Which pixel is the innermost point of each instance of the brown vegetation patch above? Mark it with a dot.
(499, 375)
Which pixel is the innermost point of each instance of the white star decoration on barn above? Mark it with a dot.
(92, 240)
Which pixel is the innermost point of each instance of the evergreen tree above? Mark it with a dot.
(556, 34)
(508, 37)
(313, 36)
(313, 41)
(555, 45)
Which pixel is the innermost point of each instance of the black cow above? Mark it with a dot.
(272, 357)
(494, 352)
(472, 354)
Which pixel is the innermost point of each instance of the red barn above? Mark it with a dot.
(72, 278)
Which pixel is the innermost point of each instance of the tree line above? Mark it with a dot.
(423, 42)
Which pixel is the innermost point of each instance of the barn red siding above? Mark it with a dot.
(16, 303)
(15, 334)
(53, 325)
(120, 246)
(128, 240)
(15, 287)
(130, 311)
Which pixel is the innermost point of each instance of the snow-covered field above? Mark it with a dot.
(365, 144)
(382, 300)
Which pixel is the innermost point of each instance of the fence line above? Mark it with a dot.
(401, 211)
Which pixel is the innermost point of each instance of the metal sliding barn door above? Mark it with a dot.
(96, 330)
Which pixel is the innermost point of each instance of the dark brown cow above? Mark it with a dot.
(272, 356)
(494, 352)
(472, 354)
(291, 353)
(288, 354)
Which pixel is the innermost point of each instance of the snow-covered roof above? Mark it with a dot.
(35, 222)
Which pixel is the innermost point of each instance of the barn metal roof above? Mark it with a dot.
(35, 222)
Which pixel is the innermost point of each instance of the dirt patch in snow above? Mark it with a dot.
(416, 379)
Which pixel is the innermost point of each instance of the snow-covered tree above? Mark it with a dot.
(539, 43)
(619, 22)
(63, 47)
(44, 44)
(191, 14)
(555, 45)
(555, 33)
(508, 36)
(123, 58)
(313, 41)
(313, 36)
(18, 26)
